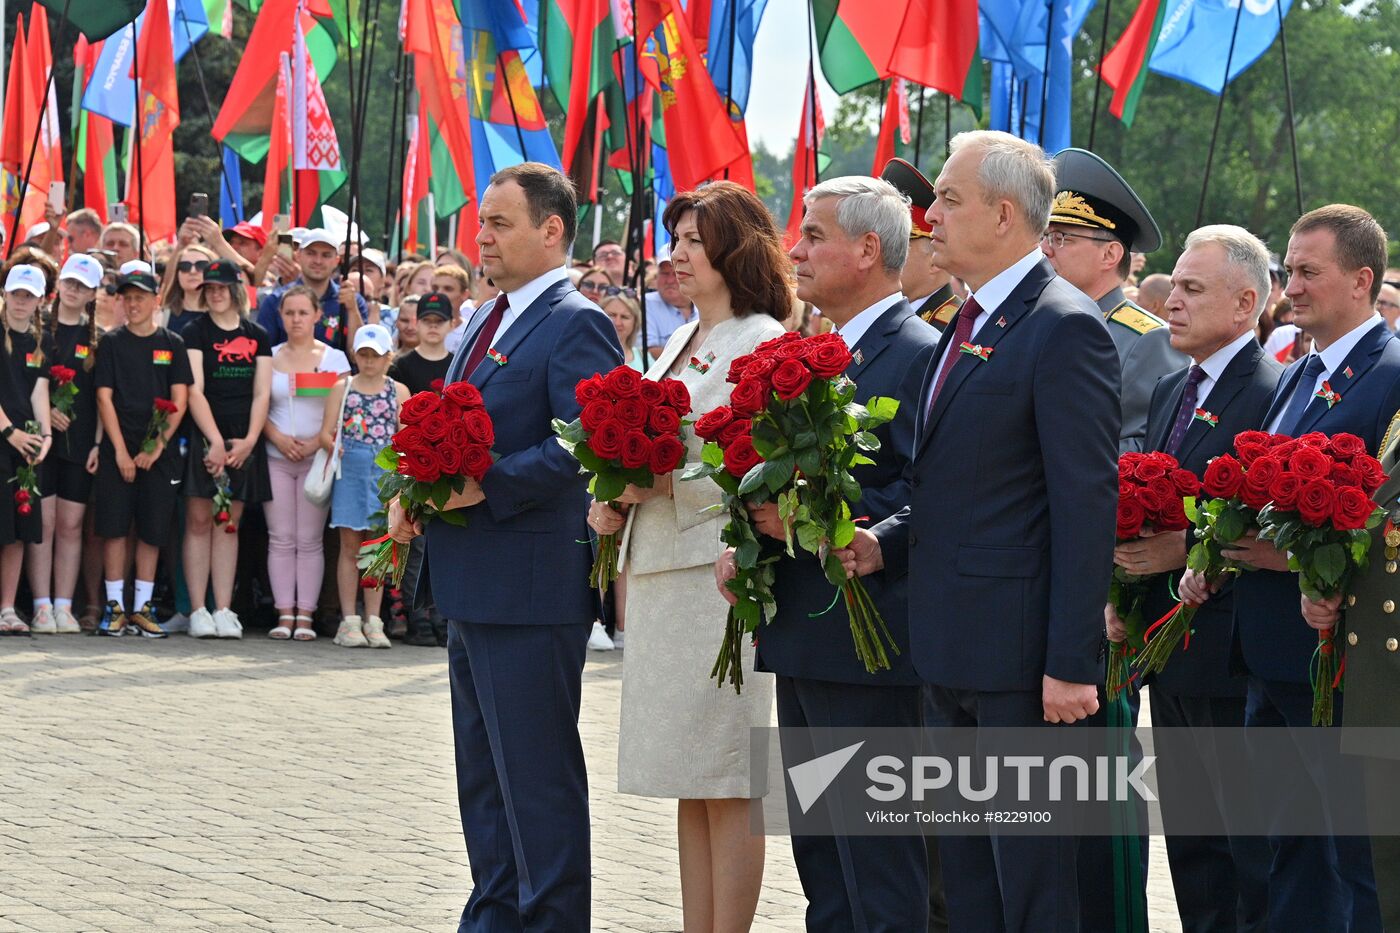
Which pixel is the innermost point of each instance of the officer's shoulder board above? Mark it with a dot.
(1135, 318)
(944, 313)
(1390, 434)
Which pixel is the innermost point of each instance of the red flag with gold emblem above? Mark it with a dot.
(158, 116)
(805, 167)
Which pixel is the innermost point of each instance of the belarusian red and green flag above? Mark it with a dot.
(151, 200)
(313, 385)
(1124, 68)
(92, 136)
(578, 39)
(894, 126)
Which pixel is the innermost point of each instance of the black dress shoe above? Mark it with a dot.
(420, 633)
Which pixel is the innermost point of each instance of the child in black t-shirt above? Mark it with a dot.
(24, 425)
(418, 369)
(140, 367)
(231, 361)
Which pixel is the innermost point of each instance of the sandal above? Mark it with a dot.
(12, 624)
(282, 632)
(303, 632)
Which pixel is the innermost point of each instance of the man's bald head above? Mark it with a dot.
(1153, 292)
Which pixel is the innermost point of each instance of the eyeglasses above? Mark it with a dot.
(612, 291)
(1058, 238)
(593, 288)
(187, 266)
(609, 254)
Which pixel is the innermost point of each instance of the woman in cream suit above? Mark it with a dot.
(681, 735)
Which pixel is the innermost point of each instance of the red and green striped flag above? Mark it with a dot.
(1124, 68)
(579, 37)
(855, 40)
(313, 385)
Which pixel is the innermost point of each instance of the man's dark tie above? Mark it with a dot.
(962, 333)
(1302, 394)
(1186, 411)
(486, 335)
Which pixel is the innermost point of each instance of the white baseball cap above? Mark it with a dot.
(26, 278)
(82, 268)
(376, 337)
(375, 258)
(135, 265)
(663, 255)
(319, 235)
(38, 230)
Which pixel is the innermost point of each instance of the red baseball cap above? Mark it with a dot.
(257, 234)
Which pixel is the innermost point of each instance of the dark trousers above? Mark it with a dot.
(521, 782)
(853, 884)
(1315, 882)
(1221, 882)
(1003, 884)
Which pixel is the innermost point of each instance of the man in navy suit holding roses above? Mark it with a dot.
(513, 584)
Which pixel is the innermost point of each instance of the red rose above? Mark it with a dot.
(1148, 498)
(1172, 517)
(1185, 482)
(476, 461)
(829, 358)
(420, 465)
(434, 427)
(1284, 491)
(1262, 438)
(1223, 478)
(737, 367)
(631, 412)
(594, 414)
(464, 395)
(1165, 459)
(166, 405)
(636, 450)
(678, 396)
(770, 347)
(1372, 475)
(606, 442)
(748, 397)
(1265, 470)
(407, 439)
(1345, 475)
(733, 431)
(589, 390)
(1346, 447)
(761, 368)
(667, 454)
(1257, 489)
(1284, 449)
(792, 350)
(1280, 440)
(449, 458)
(1314, 439)
(1352, 510)
(791, 378)
(479, 428)
(1310, 462)
(1248, 453)
(1148, 470)
(1163, 487)
(22, 496)
(713, 421)
(651, 393)
(664, 421)
(623, 382)
(435, 385)
(459, 436)
(420, 406)
(1131, 515)
(740, 457)
(1315, 502)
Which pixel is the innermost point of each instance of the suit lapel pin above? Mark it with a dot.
(1347, 372)
(497, 357)
(701, 366)
(1001, 321)
(859, 357)
(1328, 394)
(977, 350)
(1210, 420)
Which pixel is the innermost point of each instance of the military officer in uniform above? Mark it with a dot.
(927, 287)
(1096, 223)
(1370, 629)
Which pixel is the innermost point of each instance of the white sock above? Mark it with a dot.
(114, 591)
(63, 605)
(42, 603)
(144, 589)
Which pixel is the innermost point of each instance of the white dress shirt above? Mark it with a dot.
(855, 328)
(1332, 359)
(1215, 364)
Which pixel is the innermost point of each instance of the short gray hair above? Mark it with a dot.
(1013, 169)
(1244, 251)
(870, 205)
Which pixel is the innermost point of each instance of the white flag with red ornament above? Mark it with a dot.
(314, 143)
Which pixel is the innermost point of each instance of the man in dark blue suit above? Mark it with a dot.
(852, 274)
(513, 583)
(1219, 288)
(1008, 538)
(1349, 383)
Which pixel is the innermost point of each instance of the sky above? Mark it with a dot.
(780, 75)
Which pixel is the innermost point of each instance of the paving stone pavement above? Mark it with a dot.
(260, 785)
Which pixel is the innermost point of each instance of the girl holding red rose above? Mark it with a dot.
(679, 736)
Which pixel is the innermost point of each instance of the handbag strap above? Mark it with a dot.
(340, 419)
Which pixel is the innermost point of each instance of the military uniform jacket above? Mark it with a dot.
(1145, 355)
(940, 308)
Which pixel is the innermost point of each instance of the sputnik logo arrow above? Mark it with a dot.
(811, 778)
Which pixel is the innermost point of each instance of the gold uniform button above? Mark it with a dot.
(1391, 566)
(1351, 638)
(1351, 600)
(1388, 606)
(1391, 644)
(1391, 553)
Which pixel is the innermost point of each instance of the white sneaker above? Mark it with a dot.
(202, 624)
(66, 624)
(42, 622)
(374, 633)
(226, 624)
(351, 633)
(617, 638)
(599, 640)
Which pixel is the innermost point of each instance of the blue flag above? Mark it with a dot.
(1195, 39)
(730, 55)
(231, 189)
(111, 92)
(1014, 33)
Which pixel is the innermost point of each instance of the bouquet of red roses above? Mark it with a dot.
(62, 392)
(629, 431)
(1232, 493)
(446, 438)
(791, 433)
(1323, 526)
(26, 478)
(160, 420)
(1151, 489)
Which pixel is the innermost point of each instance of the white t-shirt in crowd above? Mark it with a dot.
(300, 417)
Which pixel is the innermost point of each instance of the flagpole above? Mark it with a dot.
(354, 134)
(1219, 111)
(136, 127)
(636, 221)
(1288, 99)
(812, 91)
(510, 99)
(1045, 71)
(394, 121)
(728, 85)
(1098, 80)
(918, 130)
(947, 124)
(369, 33)
(38, 131)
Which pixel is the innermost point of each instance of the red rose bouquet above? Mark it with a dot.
(791, 434)
(1322, 525)
(1151, 487)
(445, 439)
(1233, 490)
(160, 420)
(629, 431)
(26, 478)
